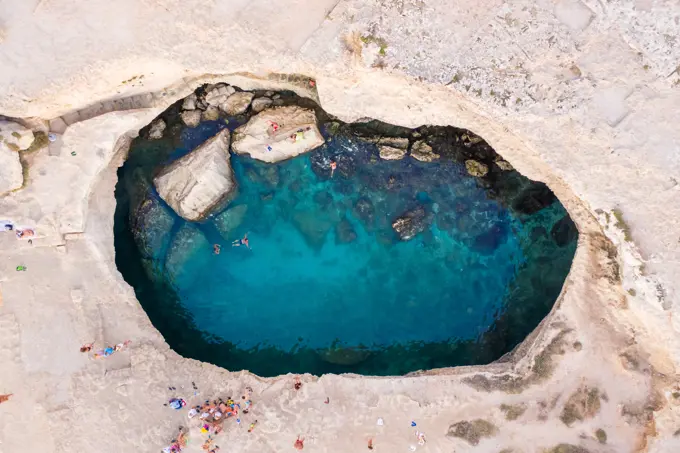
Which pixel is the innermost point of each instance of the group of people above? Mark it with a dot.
(22, 233)
(212, 415)
(107, 351)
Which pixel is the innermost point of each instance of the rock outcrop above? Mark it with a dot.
(260, 104)
(191, 117)
(156, 130)
(390, 153)
(212, 113)
(11, 176)
(13, 138)
(227, 99)
(423, 152)
(237, 103)
(475, 168)
(217, 96)
(412, 222)
(278, 134)
(202, 180)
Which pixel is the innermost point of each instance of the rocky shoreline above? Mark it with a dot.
(542, 373)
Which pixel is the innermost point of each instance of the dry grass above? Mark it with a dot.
(472, 431)
(513, 411)
(353, 44)
(582, 404)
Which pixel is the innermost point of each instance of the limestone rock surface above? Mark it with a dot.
(475, 168)
(195, 184)
(412, 222)
(218, 95)
(157, 129)
(260, 104)
(390, 153)
(278, 134)
(423, 152)
(15, 136)
(11, 177)
(190, 102)
(237, 103)
(191, 117)
(394, 142)
(212, 113)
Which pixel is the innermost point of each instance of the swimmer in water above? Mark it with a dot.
(334, 165)
(239, 242)
(216, 249)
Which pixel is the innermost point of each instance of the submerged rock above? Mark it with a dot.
(191, 118)
(423, 152)
(151, 224)
(533, 198)
(564, 231)
(156, 130)
(344, 356)
(312, 226)
(475, 168)
(237, 103)
(389, 153)
(365, 211)
(412, 222)
(185, 245)
(344, 232)
(260, 104)
(202, 180)
(228, 221)
(488, 241)
(278, 134)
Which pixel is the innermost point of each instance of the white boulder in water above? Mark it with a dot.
(199, 182)
(278, 134)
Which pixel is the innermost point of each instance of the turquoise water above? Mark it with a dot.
(327, 285)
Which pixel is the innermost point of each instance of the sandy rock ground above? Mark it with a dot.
(580, 94)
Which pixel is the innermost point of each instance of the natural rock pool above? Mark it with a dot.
(396, 260)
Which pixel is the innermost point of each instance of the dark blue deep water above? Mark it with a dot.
(328, 286)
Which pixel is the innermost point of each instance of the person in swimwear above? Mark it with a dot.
(334, 165)
(216, 249)
(239, 242)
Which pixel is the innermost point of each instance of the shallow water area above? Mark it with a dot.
(327, 285)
